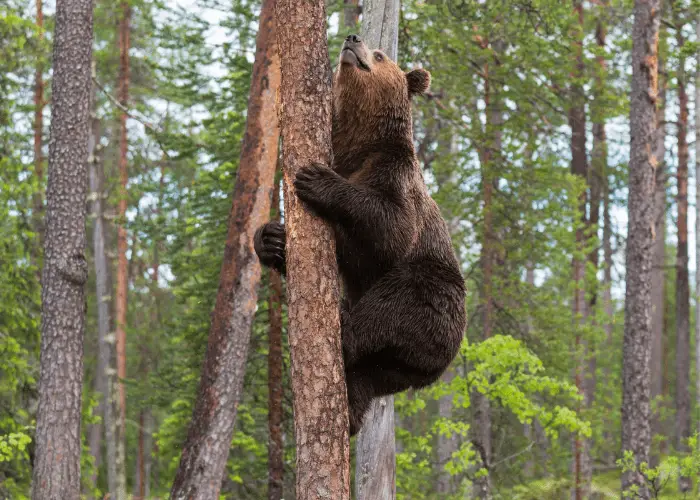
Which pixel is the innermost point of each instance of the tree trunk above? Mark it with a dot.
(105, 381)
(58, 441)
(596, 181)
(96, 188)
(206, 449)
(38, 201)
(482, 411)
(658, 277)
(319, 392)
(697, 225)
(351, 13)
(122, 264)
(682, 279)
(579, 167)
(375, 458)
(446, 446)
(636, 352)
(275, 366)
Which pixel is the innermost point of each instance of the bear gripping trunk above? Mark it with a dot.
(318, 382)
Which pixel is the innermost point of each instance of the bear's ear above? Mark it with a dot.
(418, 81)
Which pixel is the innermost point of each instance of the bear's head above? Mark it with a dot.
(372, 97)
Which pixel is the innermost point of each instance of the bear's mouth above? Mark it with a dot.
(349, 56)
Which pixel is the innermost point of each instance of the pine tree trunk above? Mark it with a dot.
(636, 435)
(482, 411)
(96, 187)
(122, 264)
(658, 277)
(318, 383)
(375, 458)
(351, 13)
(596, 180)
(275, 367)
(58, 440)
(608, 309)
(579, 167)
(682, 278)
(697, 225)
(38, 202)
(206, 449)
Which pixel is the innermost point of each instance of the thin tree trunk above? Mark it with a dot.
(697, 225)
(38, 201)
(375, 458)
(206, 449)
(143, 459)
(57, 455)
(274, 370)
(658, 277)
(682, 279)
(636, 435)
(446, 446)
(96, 174)
(609, 312)
(319, 393)
(122, 264)
(482, 411)
(351, 13)
(579, 167)
(596, 179)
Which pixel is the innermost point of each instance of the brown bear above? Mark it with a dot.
(403, 312)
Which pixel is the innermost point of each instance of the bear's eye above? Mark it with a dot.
(378, 57)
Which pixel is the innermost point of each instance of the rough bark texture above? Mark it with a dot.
(275, 454)
(636, 435)
(318, 383)
(206, 449)
(375, 453)
(56, 472)
(658, 276)
(682, 278)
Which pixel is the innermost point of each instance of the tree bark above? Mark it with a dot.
(318, 382)
(206, 449)
(658, 277)
(682, 278)
(375, 457)
(274, 370)
(57, 455)
(636, 435)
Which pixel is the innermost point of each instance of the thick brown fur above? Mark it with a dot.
(403, 313)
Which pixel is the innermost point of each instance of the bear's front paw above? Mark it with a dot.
(269, 243)
(314, 184)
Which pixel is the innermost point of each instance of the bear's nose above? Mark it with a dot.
(353, 39)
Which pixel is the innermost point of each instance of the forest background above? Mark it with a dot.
(524, 144)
